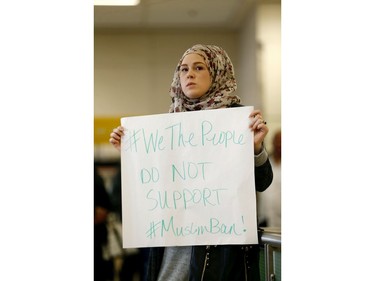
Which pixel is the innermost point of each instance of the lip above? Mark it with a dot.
(190, 84)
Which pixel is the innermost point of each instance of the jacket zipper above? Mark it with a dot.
(205, 261)
(244, 261)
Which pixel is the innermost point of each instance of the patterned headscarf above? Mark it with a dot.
(221, 92)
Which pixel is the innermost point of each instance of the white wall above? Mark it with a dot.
(269, 65)
(133, 70)
(247, 72)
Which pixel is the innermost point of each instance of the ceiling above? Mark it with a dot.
(175, 14)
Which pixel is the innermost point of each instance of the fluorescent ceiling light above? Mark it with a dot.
(116, 2)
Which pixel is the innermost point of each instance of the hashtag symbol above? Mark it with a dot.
(131, 140)
(151, 233)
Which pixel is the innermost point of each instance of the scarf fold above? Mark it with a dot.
(221, 92)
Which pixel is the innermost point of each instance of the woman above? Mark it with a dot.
(203, 80)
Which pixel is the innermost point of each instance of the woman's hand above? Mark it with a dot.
(116, 135)
(258, 126)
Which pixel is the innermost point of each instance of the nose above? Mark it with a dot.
(190, 73)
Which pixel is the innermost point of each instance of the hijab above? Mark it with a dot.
(221, 92)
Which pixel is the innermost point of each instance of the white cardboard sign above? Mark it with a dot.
(188, 179)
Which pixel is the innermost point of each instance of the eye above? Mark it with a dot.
(199, 67)
(183, 69)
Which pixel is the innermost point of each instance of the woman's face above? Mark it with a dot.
(194, 76)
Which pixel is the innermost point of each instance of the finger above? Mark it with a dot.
(254, 113)
(120, 128)
(116, 131)
(261, 125)
(115, 136)
(119, 131)
(257, 119)
(254, 117)
(256, 125)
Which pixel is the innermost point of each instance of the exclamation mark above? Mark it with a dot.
(243, 221)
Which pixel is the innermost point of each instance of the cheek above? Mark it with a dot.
(209, 82)
(181, 82)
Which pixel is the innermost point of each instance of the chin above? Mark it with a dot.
(193, 95)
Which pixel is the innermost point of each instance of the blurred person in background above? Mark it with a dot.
(134, 262)
(269, 201)
(103, 269)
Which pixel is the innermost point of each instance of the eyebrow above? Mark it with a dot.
(194, 63)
